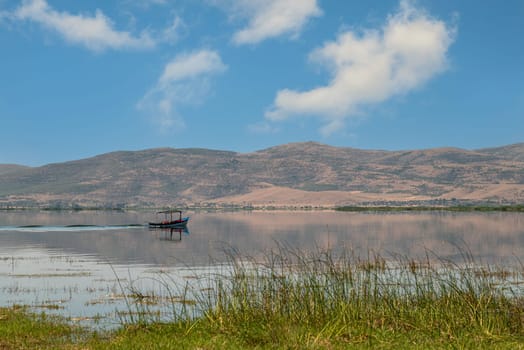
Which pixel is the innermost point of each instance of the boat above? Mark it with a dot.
(169, 221)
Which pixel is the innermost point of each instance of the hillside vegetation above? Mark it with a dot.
(298, 174)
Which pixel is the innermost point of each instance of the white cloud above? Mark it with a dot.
(94, 32)
(175, 30)
(184, 81)
(269, 18)
(144, 3)
(370, 67)
(187, 66)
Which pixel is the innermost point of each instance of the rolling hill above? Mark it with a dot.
(298, 174)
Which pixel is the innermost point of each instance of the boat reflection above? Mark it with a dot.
(173, 234)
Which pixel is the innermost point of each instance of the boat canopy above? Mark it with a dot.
(169, 211)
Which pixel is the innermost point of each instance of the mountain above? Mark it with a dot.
(9, 168)
(298, 174)
(512, 152)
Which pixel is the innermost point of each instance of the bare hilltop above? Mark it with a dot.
(298, 175)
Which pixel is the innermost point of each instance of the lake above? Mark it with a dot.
(86, 264)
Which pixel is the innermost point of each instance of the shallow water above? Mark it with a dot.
(84, 265)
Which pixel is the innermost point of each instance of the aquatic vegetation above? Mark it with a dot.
(322, 299)
(328, 296)
(21, 330)
(293, 296)
(452, 208)
(52, 275)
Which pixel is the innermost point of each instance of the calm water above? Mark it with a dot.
(83, 272)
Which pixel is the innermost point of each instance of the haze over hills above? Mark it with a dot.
(298, 174)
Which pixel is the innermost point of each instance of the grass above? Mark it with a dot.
(314, 300)
(458, 208)
(22, 330)
(327, 299)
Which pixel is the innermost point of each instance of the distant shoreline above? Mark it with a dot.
(353, 208)
(459, 208)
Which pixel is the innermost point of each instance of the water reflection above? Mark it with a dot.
(489, 237)
(79, 261)
(173, 234)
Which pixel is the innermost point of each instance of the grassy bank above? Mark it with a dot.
(461, 208)
(317, 300)
(22, 330)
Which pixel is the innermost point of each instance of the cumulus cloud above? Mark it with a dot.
(370, 67)
(185, 80)
(94, 32)
(269, 18)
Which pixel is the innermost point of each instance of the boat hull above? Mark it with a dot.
(170, 224)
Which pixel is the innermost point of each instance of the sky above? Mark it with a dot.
(82, 78)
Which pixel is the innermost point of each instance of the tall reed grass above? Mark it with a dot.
(341, 296)
(326, 298)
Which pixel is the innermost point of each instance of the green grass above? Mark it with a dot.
(329, 300)
(316, 300)
(22, 330)
(461, 208)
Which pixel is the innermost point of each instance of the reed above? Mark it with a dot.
(292, 299)
(333, 296)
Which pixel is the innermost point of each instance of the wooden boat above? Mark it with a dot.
(169, 221)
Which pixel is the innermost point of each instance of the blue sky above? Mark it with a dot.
(80, 78)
